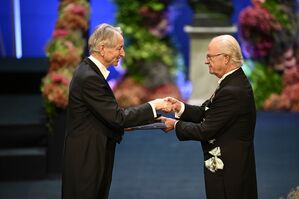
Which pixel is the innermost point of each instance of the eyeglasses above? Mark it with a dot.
(209, 57)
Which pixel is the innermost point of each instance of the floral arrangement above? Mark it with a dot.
(265, 81)
(288, 99)
(64, 51)
(293, 194)
(56, 86)
(269, 31)
(150, 59)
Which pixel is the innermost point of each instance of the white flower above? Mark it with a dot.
(214, 163)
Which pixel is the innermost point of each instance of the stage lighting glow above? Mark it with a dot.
(17, 27)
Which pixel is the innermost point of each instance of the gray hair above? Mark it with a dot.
(104, 34)
(230, 46)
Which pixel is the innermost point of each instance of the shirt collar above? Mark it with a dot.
(226, 74)
(101, 67)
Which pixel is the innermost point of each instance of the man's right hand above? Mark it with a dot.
(162, 104)
(175, 104)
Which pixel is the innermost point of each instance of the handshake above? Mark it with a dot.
(167, 105)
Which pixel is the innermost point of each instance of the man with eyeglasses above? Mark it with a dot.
(224, 124)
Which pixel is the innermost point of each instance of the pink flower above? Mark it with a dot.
(76, 9)
(291, 75)
(277, 103)
(60, 33)
(58, 78)
(292, 92)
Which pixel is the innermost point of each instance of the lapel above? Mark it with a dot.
(224, 82)
(97, 70)
(94, 67)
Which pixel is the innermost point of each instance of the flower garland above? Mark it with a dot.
(269, 31)
(64, 52)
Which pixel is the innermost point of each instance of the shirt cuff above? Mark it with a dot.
(178, 114)
(153, 108)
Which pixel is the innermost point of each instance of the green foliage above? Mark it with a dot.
(281, 14)
(265, 81)
(56, 45)
(64, 51)
(73, 40)
(142, 46)
(50, 110)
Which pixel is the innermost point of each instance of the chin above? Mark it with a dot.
(115, 63)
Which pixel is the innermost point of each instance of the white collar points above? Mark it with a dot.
(100, 66)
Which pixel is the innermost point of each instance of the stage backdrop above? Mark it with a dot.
(37, 20)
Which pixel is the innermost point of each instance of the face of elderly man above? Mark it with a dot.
(216, 59)
(112, 54)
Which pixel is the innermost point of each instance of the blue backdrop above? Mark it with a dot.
(38, 21)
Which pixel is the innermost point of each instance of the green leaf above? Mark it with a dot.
(265, 81)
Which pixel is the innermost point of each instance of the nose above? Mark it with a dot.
(207, 61)
(122, 53)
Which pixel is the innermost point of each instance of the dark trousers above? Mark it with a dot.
(108, 168)
(94, 181)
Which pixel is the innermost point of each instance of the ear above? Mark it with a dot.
(227, 58)
(102, 50)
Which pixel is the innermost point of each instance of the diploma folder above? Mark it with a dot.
(156, 125)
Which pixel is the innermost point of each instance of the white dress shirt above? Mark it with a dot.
(101, 67)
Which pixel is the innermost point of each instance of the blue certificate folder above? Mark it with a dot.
(156, 125)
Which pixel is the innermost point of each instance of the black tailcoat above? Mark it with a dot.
(228, 122)
(95, 123)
